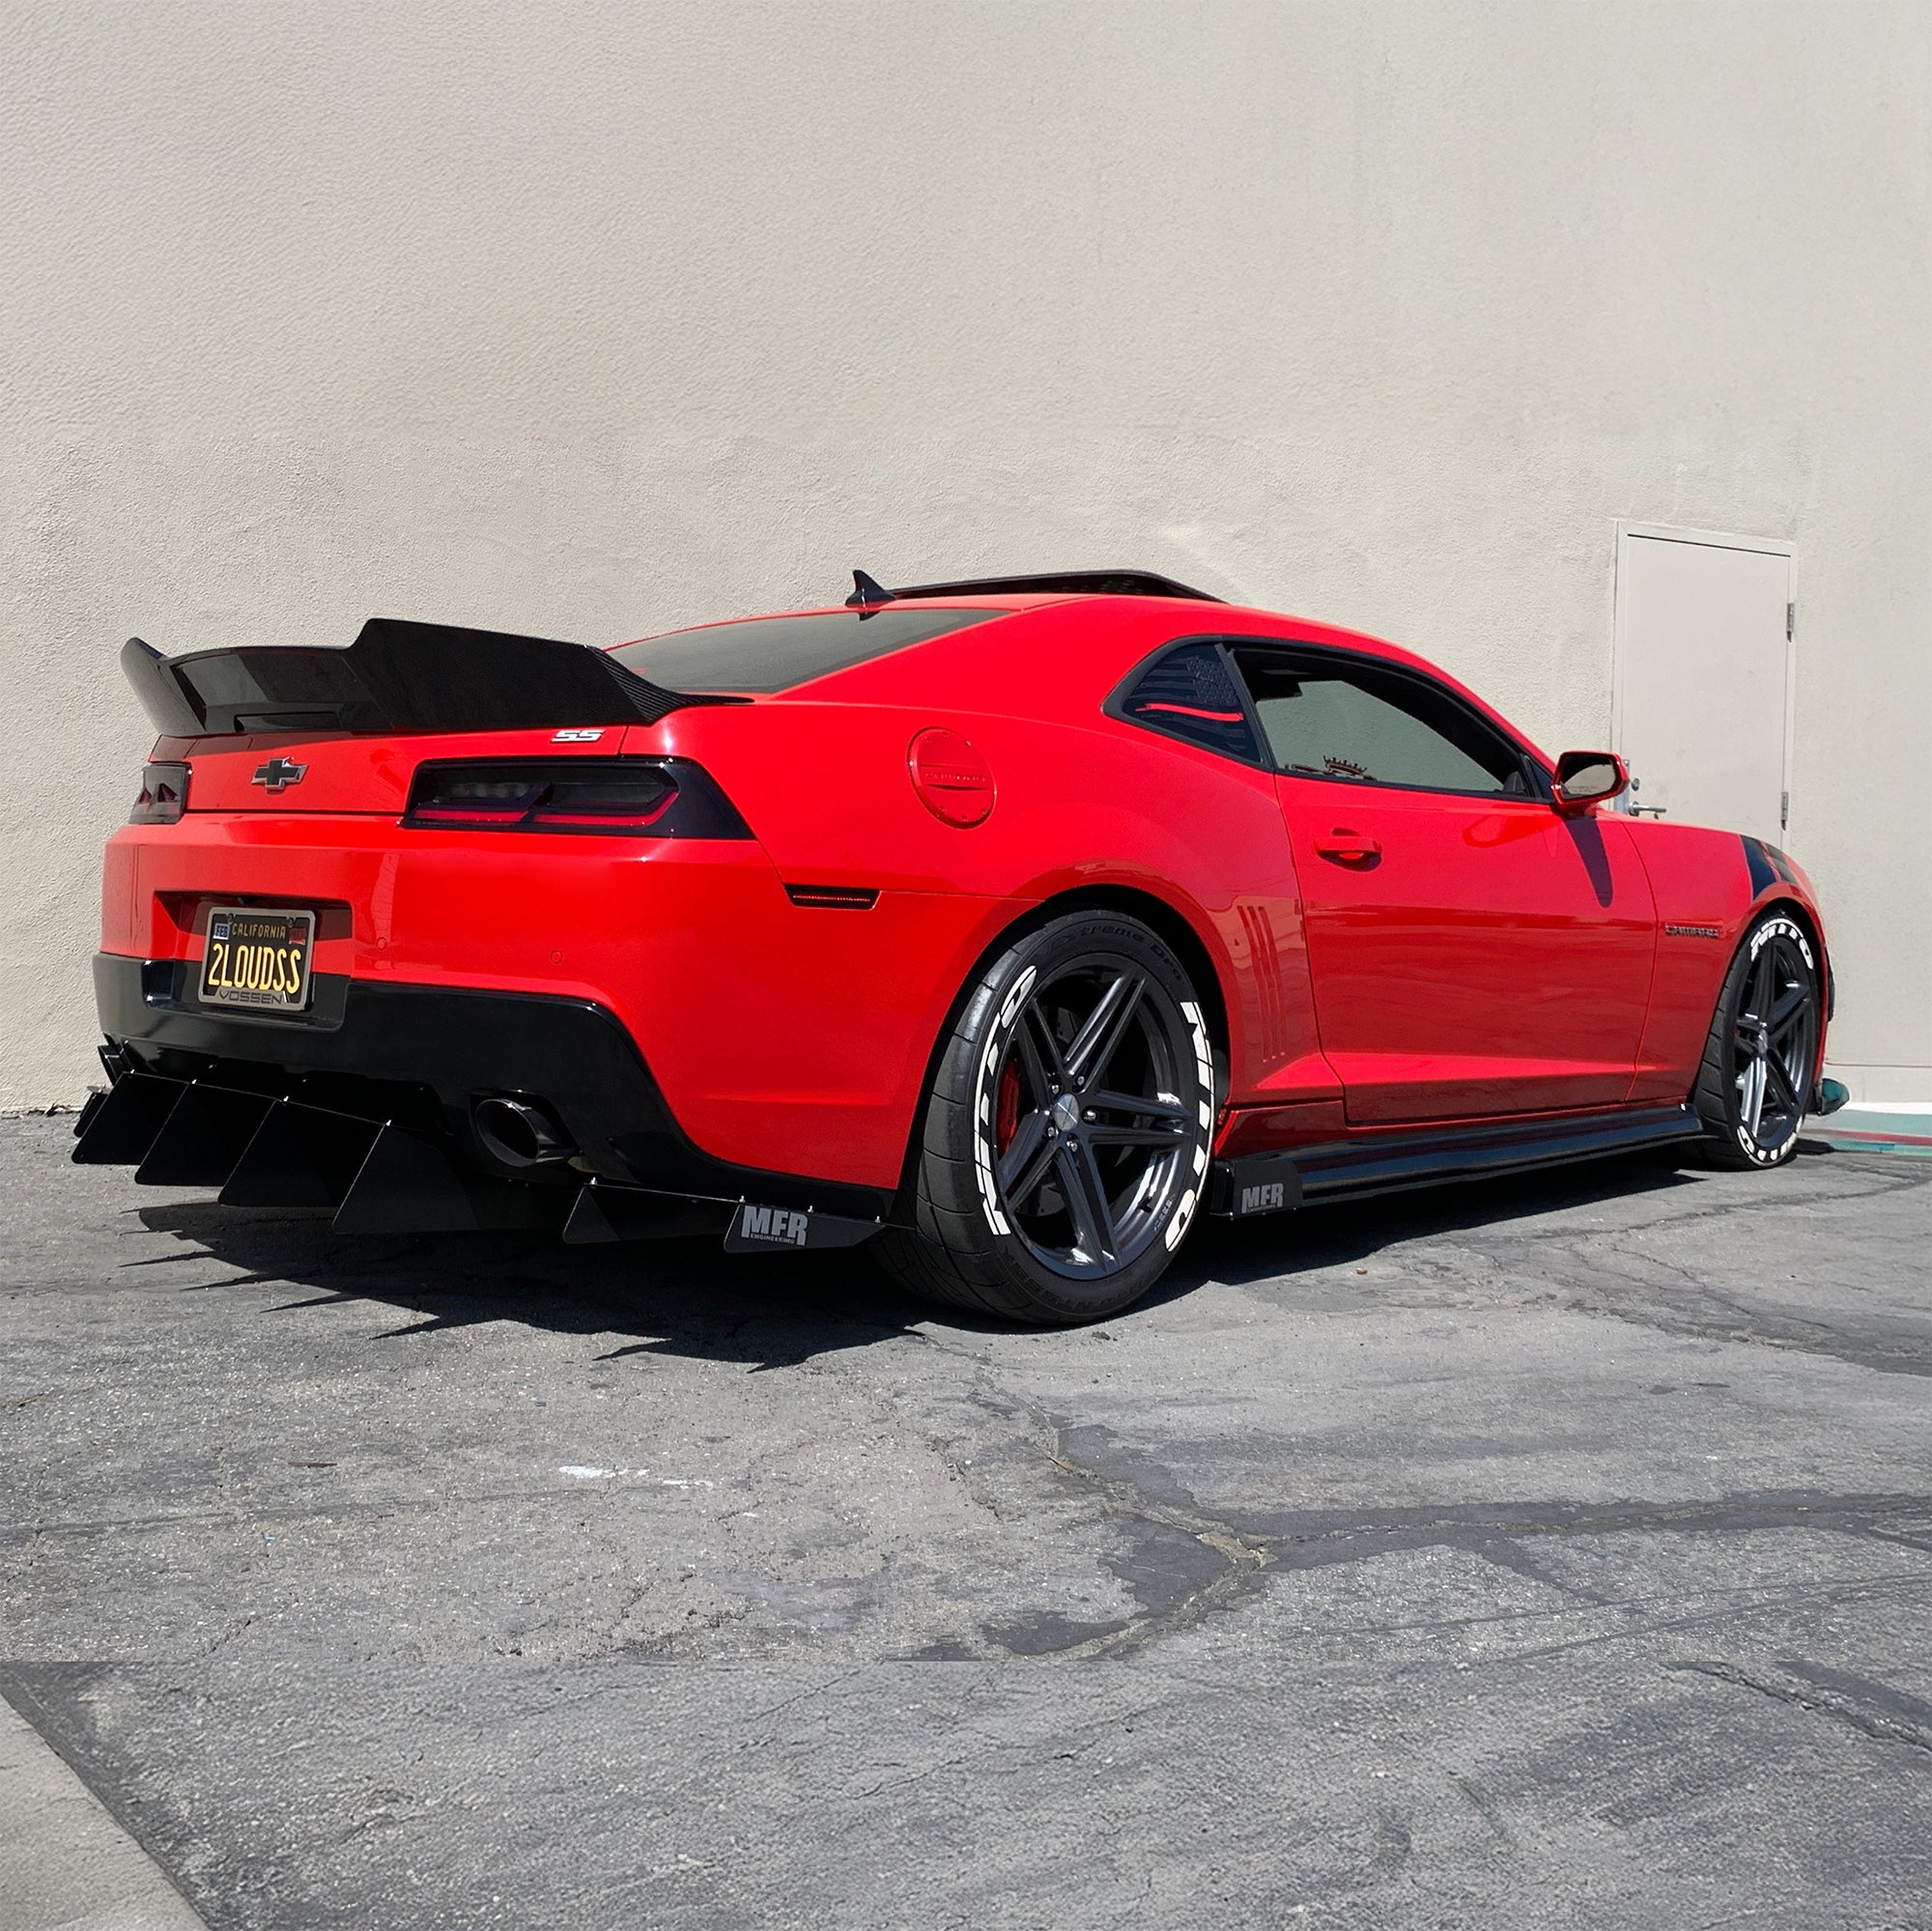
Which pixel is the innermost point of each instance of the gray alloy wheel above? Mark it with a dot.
(1755, 1081)
(1065, 1140)
(1088, 1173)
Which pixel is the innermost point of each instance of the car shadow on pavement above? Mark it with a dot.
(686, 1298)
(1345, 1231)
(682, 1297)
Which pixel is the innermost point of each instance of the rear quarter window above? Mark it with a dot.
(1190, 694)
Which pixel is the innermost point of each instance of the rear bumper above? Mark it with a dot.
(776, 1030)
(421, 1054)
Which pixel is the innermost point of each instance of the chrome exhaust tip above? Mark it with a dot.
(520, 1132)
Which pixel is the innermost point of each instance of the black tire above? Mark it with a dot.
(1040, 1190)
(1755, 1081)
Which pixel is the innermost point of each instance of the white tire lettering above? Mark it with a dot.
(985, 1113)
(1775, 928)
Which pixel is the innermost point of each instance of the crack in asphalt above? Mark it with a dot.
(1610, 1284)
(1851, 1700)
(1612, 1265)
(1316, 1539)
(1244, 1557)
(1699, 1311)
(1508, 1222)
(1248, 1547)
(1250, 1551)
(1716, 1608)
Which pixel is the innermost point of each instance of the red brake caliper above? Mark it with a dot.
(1006, 1112)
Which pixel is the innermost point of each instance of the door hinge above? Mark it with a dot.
(1784, 810)
(1790, 621)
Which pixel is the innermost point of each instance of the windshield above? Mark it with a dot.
(764, 654)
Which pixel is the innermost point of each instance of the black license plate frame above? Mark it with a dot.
(259, 958)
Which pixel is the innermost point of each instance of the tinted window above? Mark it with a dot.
(1328, 718)
(775, 653)
(1192, 693)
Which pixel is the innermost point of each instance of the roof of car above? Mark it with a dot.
(1100, 655)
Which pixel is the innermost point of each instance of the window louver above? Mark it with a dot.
(1190, 694)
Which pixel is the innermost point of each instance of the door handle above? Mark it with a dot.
(1346, 847)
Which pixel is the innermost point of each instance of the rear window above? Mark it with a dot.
(775, 653)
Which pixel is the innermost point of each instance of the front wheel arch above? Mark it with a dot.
(1796, 908)
(1739, 1078)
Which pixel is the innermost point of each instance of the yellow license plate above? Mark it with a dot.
(257, 957)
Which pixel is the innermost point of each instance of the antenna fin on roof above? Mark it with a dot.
(867, 590)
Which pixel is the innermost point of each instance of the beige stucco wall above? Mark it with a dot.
(591, 319)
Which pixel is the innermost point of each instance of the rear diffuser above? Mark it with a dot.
(128, 1121)
(204, 1137)
(409, 1184)
(300, 1157)
(605, 1212)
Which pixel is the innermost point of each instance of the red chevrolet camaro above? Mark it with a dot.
(1014, 922)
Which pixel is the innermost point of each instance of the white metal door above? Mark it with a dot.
(1703, 677)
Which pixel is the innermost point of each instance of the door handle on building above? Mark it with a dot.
(1346, 847)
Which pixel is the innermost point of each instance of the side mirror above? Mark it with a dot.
(1589, 777)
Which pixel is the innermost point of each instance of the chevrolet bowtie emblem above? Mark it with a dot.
(278, 773)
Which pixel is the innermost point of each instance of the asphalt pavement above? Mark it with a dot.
(1554, 1552)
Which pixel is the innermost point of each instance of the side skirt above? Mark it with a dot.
(1353, 1169)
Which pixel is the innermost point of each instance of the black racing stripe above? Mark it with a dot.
(1759, 864)
(1780, 865)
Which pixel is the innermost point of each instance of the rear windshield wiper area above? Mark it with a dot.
(398, 678)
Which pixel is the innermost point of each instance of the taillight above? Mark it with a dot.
(163, 795)
(605, 797)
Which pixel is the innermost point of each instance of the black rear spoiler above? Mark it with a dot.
(868, 589)
(397, 677)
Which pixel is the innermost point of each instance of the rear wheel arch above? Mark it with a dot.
(1169, 925)
(1063, 1147)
